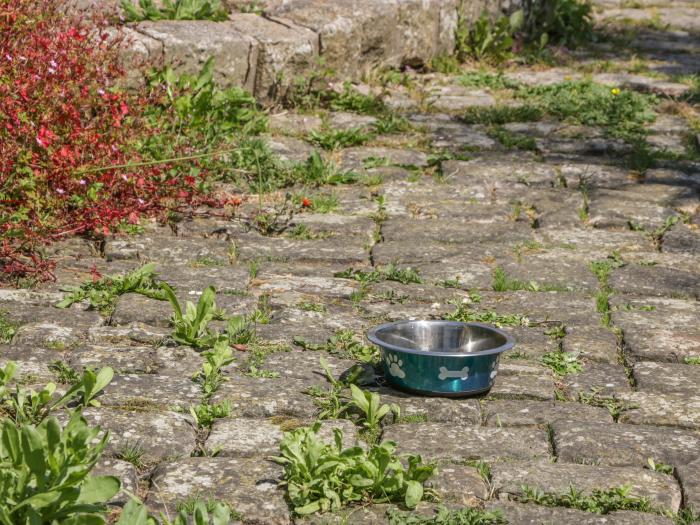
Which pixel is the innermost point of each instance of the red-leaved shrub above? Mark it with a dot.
(61, 123)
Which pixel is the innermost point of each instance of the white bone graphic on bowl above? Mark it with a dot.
(461, 374)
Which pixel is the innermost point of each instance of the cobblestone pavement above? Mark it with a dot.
(541, 213)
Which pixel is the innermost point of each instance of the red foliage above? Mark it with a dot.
(60, 120)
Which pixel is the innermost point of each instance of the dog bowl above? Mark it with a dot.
(444, 358)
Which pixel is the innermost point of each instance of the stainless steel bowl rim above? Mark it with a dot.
(510, 342)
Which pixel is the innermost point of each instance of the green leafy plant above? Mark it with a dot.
(391, 123)
(330, 402)
(324, 477)
(197, 512)
(560, 22)
(510, 140)
(339, 138)
(664, 468)
(562, 363)
(445, 516)
(486, 39)
(24, 406)
(195, 118)
(692, 360)
(372, 412)
(204, 414)
(64, 373)
(7, 328)
(317, 171)
(350, 99)
(262, 169)
(600, 501)
(191, 327)
(210, 376)
(174, 10)
(45, 475)
(103, 293)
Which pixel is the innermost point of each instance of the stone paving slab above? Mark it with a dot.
(434, 409)
(248, 485)
(157, 435)
(262, 397)
(673, 409)
(623, 444)
(507, 413)
(458, 442)
(151, 391)
(242, 437)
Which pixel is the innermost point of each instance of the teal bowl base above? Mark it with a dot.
(460, 375)
(428, 393)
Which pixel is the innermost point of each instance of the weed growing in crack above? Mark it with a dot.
(502, 283)
(191, 326)
(602, 270)
(450, 283)
(529, 210)
(340, 138)
(615, 406)
(317, 172)
(485, 39)
(371, 411)
(390, 272)
(257, 353)
(664, 468)
(584, 188)
(465, 314)
(64, 373)
(344, 344)
(410, 419)
(323, 203)
(204, 414)
(692, 360)
(600, 501)
(210, 377)
(7, 328)
(656, 236)
(445, 516)
(510, 140)
(131, 452)
(104, 292)
(304, 233)
(562, 363)
(309, 306)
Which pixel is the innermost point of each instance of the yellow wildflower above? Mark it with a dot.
(615, 91)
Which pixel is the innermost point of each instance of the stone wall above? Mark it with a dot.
(264, 53)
